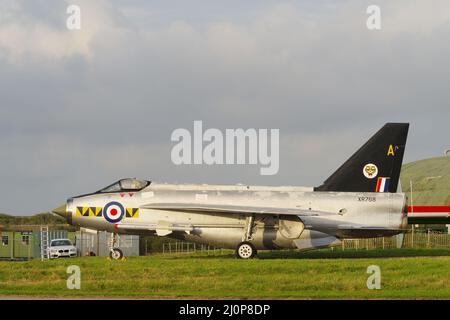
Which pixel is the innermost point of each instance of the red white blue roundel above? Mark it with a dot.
(113, 212)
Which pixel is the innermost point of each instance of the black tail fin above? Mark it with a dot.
(375, 167)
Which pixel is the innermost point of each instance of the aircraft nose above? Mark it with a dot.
(61, 211)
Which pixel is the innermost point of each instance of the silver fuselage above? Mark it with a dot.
(352, 215)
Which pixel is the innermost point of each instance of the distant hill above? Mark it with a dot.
(431, 181)
(38, 219)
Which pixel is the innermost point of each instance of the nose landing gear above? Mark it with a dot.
(114, 253)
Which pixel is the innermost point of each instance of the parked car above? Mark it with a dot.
(61, 248)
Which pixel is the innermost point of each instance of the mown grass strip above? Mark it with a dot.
(279, 275)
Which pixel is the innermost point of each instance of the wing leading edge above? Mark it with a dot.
(231, 209)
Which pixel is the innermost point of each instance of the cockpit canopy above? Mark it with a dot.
(126, 185)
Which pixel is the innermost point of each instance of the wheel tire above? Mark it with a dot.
(245, 250)
(116, 254)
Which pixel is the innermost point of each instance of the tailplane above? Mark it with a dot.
(375, 167)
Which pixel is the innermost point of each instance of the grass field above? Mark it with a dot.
(279, 275)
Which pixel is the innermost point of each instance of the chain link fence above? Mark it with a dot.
(189, 247)
(410, 240)
(97, 244)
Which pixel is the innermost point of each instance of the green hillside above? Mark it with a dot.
(430, 179)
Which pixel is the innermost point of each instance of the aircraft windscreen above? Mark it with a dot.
(126, 185)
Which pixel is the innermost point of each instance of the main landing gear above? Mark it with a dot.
(114, 253)
(245, 249)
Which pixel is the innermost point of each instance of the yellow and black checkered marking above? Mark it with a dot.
(132, 213)
(89, 211)
(98, 212)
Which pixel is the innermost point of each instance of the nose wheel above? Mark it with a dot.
(116, 254)
(245, 250)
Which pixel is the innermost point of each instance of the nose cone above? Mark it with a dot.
(61, 211)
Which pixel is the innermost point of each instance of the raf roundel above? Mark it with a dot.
(113, 212)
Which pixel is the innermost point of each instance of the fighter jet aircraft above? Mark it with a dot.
(359, 200)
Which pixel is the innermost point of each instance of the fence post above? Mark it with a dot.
(12, 244)
(97, 235)
(29, 242)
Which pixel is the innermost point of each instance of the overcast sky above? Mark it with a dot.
(81, 109)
